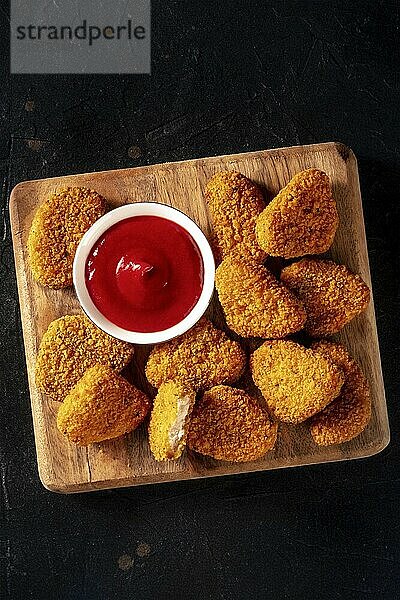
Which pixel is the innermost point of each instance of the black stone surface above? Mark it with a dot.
(227, 77)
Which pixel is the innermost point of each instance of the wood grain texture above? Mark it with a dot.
(128, 461)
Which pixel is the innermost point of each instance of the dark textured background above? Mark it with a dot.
(227, 77)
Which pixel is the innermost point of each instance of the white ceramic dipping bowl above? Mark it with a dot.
(99, 228)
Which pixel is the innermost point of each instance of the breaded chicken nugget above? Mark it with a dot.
(71, 345)
(301, 219)
(255, 303)
(234, 203)
(200, 358)
(296, 382)
(332, 295)
(56, 230)
(229, 424)
(101, 406)
(349, 414)
(170, 419)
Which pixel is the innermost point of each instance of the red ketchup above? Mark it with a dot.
(145, 274)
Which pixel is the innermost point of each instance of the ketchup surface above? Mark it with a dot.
(145, 274)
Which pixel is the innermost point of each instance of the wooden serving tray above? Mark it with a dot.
(127, 461)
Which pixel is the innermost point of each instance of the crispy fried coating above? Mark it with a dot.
(202, 357)
(332, 295)
(229, 424)
(301, 219)
(101, 406)
(70, 346)
(234, 203)
(57, 228)
(296, 382)
(349, 414)
(255, 303)
(169, 420)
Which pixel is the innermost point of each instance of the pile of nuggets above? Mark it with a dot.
(199, 403)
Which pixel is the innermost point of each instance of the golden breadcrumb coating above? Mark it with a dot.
(332, 295)
(101, 406)
(349, 414)
(301, 219)
(170, 419)
(202, 357)
(296, 382)
(234, 203)
(255, 303)
(57, 228)
(229, 424)
(71, 345)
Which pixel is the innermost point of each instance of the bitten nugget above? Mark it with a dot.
(234, 203)
(296, 382)
(200, 358)
(349, 414)
(301, 219)
(169, 420)
(101, 406)
(57, 228)
(229, 424)
(255, 303)
(71, 345)
(332, 295)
